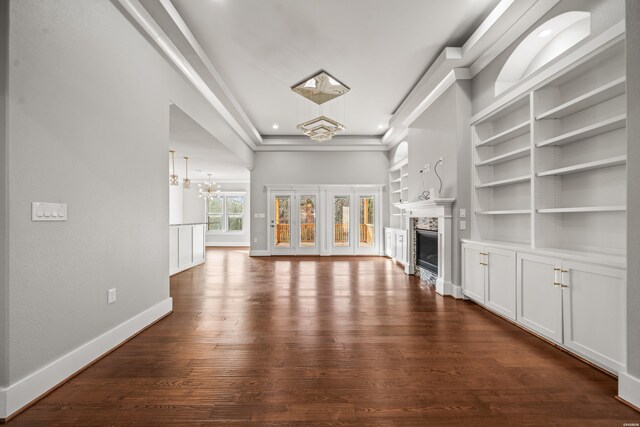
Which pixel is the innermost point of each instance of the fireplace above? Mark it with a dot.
(427, 250)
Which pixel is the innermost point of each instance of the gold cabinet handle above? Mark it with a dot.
(556, 284)
(484, 253)
(483, 263)
(557, 269)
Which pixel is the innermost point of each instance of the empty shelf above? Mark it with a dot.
(589, 99)
(599, 128)
(604, 163)
(508, 134)
(584, 209)
(512, 155)
(505, 212)
(509, 181)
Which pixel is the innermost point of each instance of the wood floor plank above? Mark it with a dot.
(314, 341)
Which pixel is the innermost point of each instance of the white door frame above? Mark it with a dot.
(324, 216)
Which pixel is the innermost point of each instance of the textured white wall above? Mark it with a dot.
(348, 167)
(633, 195)
(88, 126)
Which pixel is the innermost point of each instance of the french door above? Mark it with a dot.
(294, 223)
(349, 223)
(354, 223)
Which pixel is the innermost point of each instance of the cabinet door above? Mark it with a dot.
(539, 302)
(500, 292)
(473, 272)
(400, 244)
(595, 313)
(388, 243)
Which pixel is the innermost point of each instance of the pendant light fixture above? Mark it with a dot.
(210, 190)
(186, 182)
(173, 178)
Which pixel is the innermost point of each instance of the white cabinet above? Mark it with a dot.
(488, 277)
(594, 313)
(473, 272)
(500, 288)
(539, 301)
(395, 244)
(578, 305)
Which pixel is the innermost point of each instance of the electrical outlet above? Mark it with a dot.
(255, 240)
(463, 225)
(111, 296)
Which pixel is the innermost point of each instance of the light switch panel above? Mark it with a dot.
(48, 211)
(463, 213)
(463, 225)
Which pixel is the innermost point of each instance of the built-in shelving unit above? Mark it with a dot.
(398, 191)
(550, 165)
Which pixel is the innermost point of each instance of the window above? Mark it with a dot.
(226, 213)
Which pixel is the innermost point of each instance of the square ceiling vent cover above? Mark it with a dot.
(320, 88)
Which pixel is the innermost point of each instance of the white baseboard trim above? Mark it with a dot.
(448, 289)
(262, 252)
(230, 244)
(30, 388)
(629, 389)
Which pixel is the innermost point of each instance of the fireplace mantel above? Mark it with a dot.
(435, 208)
(441, 209)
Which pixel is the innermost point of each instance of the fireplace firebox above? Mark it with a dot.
(427, 250)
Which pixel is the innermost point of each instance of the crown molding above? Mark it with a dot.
(220, 98)
(508, 21)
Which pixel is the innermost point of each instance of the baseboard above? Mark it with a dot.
(227, 244)
(254, 252)
(31, 388)
(629, 389)
(456, 291)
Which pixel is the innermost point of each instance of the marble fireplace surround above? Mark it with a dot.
(440, 209)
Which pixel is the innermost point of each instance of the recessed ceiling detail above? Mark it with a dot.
(320, 88)
(321, 128)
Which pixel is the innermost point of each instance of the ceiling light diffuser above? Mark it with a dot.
(320, 88)
(275, 126)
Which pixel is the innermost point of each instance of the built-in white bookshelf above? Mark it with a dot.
(398, 191)
(550, 166)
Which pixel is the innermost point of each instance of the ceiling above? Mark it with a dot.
(379, 48)
(206, 154)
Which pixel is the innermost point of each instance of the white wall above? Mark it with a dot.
(604, 13)
(300, 167)
(4, 234)
(443, 131)
(234, 238)
(175, 204)
(633, 195)
(88, 120)
(193, 207)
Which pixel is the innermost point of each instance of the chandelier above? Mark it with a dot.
(209, 190)
(186, 182)
(321, 128)
(320, 88)
(173, 178)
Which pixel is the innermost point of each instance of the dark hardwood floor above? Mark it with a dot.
(328, 341)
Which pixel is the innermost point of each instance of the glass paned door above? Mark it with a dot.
(309, 238)
(307, 210)
(294, 223)
(367, 222)
(281, 229)
(341, 212)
